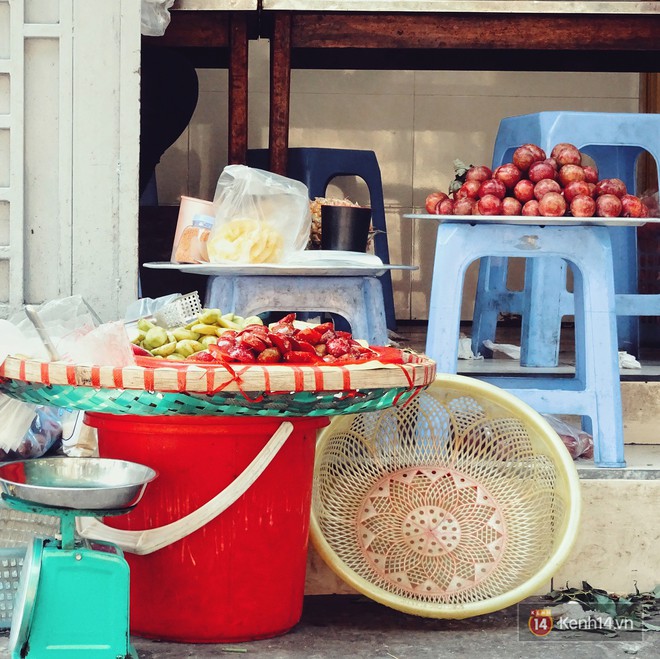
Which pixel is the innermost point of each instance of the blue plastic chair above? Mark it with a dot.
(316, 167)
(150, 195)
(614, 141)
(594, 393)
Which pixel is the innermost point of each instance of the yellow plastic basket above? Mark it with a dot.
(462, 502)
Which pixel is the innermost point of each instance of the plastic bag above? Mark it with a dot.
(14, 342)
(580, 444)
(261, 217)
(76, 333)
(64, 320)
(155, 17)
(508, 349)
(28, 431)
(147, 306)
(16, 419)
(78, 439)
(106, 344)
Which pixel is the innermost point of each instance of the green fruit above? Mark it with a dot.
(228, 323)
(139, 338)
(252, 320)
(209, 316)
(144, 324)
(181, 334)
(155, 337)
(187, 347)
(202, 328)
(175, 357)
(208, 340)
(164, 350)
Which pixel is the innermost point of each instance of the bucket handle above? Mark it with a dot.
(150, 540)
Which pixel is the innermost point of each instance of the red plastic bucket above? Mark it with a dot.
(241, 576)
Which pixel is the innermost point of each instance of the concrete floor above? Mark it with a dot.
(342, 626)
(412, 335)
(345, 626)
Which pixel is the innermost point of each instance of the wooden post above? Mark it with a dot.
(649, 101)
(280, 92)
(238, 90)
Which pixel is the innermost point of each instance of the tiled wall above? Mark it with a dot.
(417, 122)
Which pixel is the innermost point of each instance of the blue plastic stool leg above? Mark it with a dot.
(357, 299)
(545, 284)
(492, 298)
(594, 392)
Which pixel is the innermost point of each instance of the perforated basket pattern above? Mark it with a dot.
(11, 563)
(17, 529)
(447, 507)
(180, 311)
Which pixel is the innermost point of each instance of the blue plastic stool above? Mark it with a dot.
(316, 167)
(357, 299)
(614, 141)
(594, 393)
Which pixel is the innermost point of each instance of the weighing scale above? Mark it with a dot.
(73, 595)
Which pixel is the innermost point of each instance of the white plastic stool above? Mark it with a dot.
(357, 299)
(614, 141)
(594, 393)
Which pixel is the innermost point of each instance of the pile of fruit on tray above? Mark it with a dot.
(537, 185)
(215, 338)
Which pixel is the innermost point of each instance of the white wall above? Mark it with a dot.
(69, 131)
(417, 122)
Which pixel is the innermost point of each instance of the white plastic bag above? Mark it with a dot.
(107, 344)
(155, 17)
(261, 217)
(65, 321)
(508, 349)
(17, 417)
(13, 341)
(76, 333)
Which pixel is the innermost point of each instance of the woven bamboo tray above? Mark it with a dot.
(234, 389)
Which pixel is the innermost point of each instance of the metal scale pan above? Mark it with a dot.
(73, 596)
(76, 483)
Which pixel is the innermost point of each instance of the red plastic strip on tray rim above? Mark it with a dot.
(149, 366)
(95, 376)
(45, 373)
(384, 354)
(118, 377)
(256, 399)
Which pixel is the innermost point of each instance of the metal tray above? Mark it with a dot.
(537, 221)
(76, 483)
